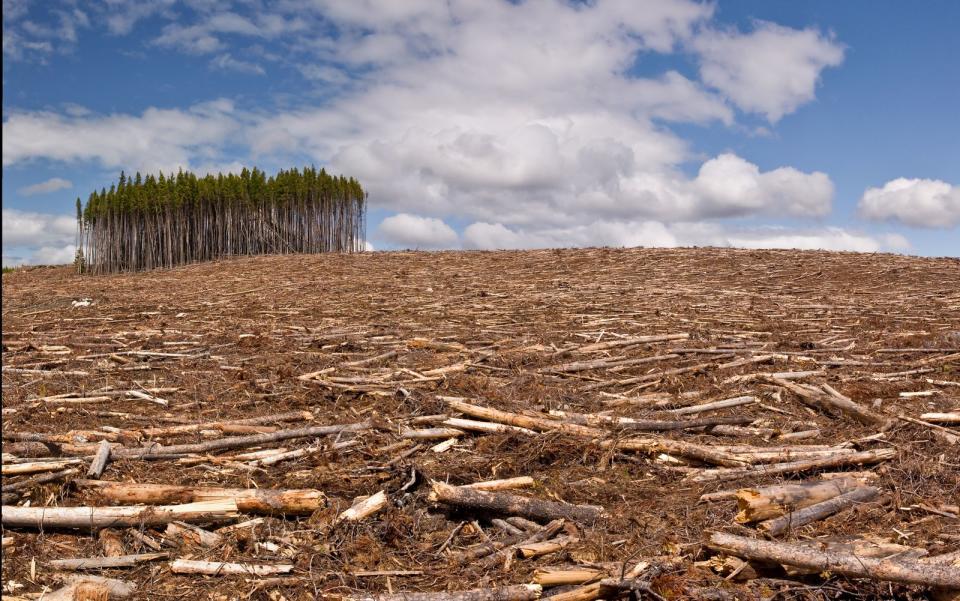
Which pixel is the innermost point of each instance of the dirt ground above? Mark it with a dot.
(230, 340)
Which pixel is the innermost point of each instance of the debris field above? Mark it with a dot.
(486, 426)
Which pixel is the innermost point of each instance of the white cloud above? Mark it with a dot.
(543, 134)
(412, 231)
(51, 185)
(731, 186)
(226, 62)
(772, 70)
(656, 234)
(27, 229)
(52, 255)
(915, 202)
(157, 139)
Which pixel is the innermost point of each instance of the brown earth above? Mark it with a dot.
(240, 332)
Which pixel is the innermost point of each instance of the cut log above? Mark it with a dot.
(681, 448)
(519, 592)
(487, 427)
(523, 421)
(756, 504)
(847, 564)
(38, 480)
(830, 402)
(952, 417)
(93, 518)
(219, 444)
(100, 459)
(713, 406)
(33, 467)
(506, 484)
(431, 434)
(111, 543)
(192, 535)
(222, 568)
(818, 511)
(248, 500)
(77, 587)
(506, 553)
(794, 467)
(99, 563)
(364, 507)
(504, 503)
(562, 576)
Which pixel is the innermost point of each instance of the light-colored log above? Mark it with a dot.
(93, 518)
(756, 504)
(818, 511)
(519, 592)
(223, 568)
(100, 563)
(505, 484)
(248, 500)
(100, 459)
(364, 507)
(844, 563)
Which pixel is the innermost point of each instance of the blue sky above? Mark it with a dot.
(486, 124)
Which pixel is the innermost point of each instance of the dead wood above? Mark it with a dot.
(507, 504)
(843, 563)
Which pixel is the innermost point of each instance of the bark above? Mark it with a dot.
(902, 570)
(504, 503)
(38, 480)
(248, 500)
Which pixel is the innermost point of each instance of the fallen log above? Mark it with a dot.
(523, 421)
(681, 448)
(902, 570)
(506, 484)
(825, 401)
(519, 592)
(34, 467)
(794, 467)
(99, 563)
(40, 479)
(364, 507)
(91, 588)
(222, 568)
(94, 518)
(506, 552)
(218, 444)
(818, 511)
(100, 459)
(561, 576)
(509, 504)
(248, 500)
(756, 504)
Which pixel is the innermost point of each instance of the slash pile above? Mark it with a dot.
(466, 426)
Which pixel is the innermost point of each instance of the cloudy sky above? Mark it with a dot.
(492, 124)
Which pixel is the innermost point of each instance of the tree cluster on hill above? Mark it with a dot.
(162, 221)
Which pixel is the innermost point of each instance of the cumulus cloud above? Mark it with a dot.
(731, 186)
(542, 137)
(28, 229)
(490, 236)
(51, 185)
(771, 70)
(157, 139)
(916, 202)
(412, 231)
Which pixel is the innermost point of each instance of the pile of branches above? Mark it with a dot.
(164, 221)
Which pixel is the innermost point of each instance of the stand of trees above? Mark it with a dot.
(163, 221)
